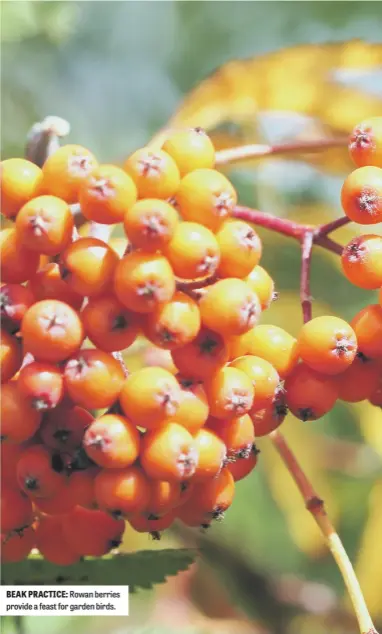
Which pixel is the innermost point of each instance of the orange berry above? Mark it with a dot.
(15, 300)
(142, 524)
(310, 395)
(109, 324)
(142, 281)
(376, 396)
(9, 457)
(107, 194)
(275, 345)
(237, 434)
(16, 509)
(164, 496)
(367, 325)
(16, 547)
(261, 282)
(51, 330)
(174, 324)
(212, 454)
(202, 356)
(17, 262)
(63, 428)
(269, 417)
(20, 181)
(240, 249)
(51, 542)
(230, 393)
(150, 224)
(78, 489)
(191, 149)
(122, 492)
(10, 355)
(45, 224)
(229, 307)
(238, 345)
(88, 266)
(244, 466)
(93, 378)
(327, 344)
(193, 408)
(263, 375)
(215, 496)
(193, 516)
(150, 397)
(91, 533)
(65, 170)
(41, 384)
(193, 251)
(207, 197)
(19, 421)
(362, 261)
(365, 143)
(36, 475)
(154, 173)
(169, 453)
(359, 381)
(112, 441)
(47, 283)
(361, 195)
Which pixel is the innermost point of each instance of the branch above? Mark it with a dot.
(268, 221)
(328, 244)
(306, 259)
(324, 230)
(194, 285)
(245, 152)
(316, 507)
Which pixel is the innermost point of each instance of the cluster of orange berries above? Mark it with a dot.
(168, 444)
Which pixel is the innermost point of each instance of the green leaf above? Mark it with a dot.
(142, 569)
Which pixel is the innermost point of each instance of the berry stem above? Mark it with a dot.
(43, 139)
(324, 230)
(316, 506)
(329, 244)
(268, 221)
(191, 285)
(306, 259)
(245, 152)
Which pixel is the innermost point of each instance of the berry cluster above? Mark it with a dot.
(163, 445)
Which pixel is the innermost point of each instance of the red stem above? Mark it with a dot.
(266, 220)
(324, 230)
(306, 259)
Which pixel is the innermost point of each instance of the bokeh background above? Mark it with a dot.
(119, 71)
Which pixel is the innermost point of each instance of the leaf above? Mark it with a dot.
(142, 569)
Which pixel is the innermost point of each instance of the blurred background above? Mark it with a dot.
(119, 71)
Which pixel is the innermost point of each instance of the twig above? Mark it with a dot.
(324, 230)
(316, 507)
(194, 285)
(43, 139)
(245, 152)
(268, 221)
(306, 259)
(327, 243)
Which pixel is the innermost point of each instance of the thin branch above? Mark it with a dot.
(268, 221)
(316, 507)
(43, 139)
(306, 259)
(330, 245)
(245, 152)
(324, 230)
(192, 285)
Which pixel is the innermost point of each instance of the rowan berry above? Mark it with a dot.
(154, 173)
(376, 396)
(367, 325)
(327, 344)
(238, 435)
(261, 282)
(154, 526)
(109, 324)
(164, 496)
(17, 546)
(191, 149)
(91, 533)
(112, 441)
(41, 384)
(238, 345)
(169, 453)
(263, 375)
(63, 428)
(150, 224)
(16, 509)
(207, 197)
(275, 345)
(212, 454)
(142, 281)
(17, 263)
(150, 397)
(93, 378)
(20, 181)
(242, 468)
(19, 421)
(193, 409)
(186, 489)
(45, 224)
(15, 300)
(107, 194)
(202, 356)
(51, 542)
(193, 251)
(51, 330)
(230, 307)
(359, 381)
(47, 283)
(362, 261)
(9, 457)
(268, 418)
(240, 249)
(10, 355)
(361, 195)
(36, 475)
(88, 266)
(365, 143)
(173, 324)
(310, 395)
(215, 496)
(78, 490)
(191, 515)
(230, 393)
(122, 492)
(65, 170)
